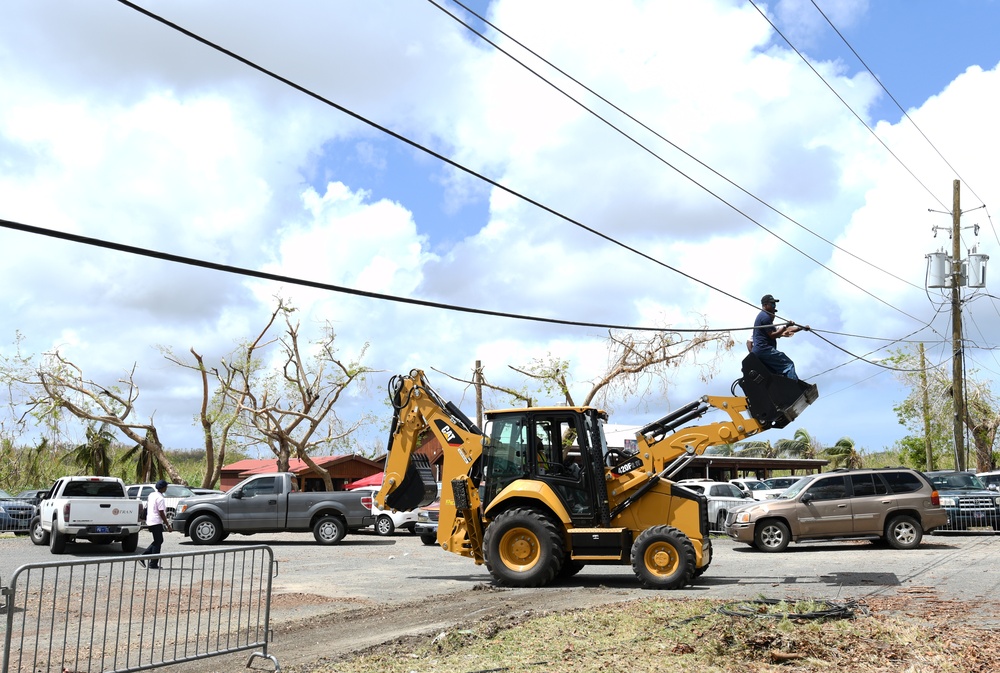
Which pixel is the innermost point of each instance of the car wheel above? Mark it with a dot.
(131, 543)
(524, 548)
(429, 538)
(57, 540)
(663, 558)
(37, 533)
(206, 530)
(771, 536)
(903, 532)
(329, 530)
(384, 525)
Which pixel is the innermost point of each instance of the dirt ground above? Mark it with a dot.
(370, 592)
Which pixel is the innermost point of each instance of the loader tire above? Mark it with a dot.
(663, 558)
(524, 548)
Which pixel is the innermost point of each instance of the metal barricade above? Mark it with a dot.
(113, 614)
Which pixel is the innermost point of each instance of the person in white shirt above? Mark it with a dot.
(156, 522)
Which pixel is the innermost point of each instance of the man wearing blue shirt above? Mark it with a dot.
(766, 335)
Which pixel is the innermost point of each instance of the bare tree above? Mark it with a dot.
(292, 406)
(59, 385)
(635, 361)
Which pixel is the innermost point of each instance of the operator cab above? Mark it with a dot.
(562, 447)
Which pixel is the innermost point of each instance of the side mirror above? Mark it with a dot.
(806, 498)
(238, 494)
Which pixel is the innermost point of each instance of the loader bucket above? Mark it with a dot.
(417, 488)
(774, 401)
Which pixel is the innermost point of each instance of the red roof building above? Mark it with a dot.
(342, 469)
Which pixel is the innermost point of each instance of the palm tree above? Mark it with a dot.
(94, 456)
(758, 449)
(843, 454)
(801, 446)
(721, 450)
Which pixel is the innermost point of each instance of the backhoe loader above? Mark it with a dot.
(540, 494)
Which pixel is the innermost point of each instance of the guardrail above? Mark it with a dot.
(114, 615)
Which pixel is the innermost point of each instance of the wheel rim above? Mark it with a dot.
(905, 533)
(383, 526)
(772, 536)
(205, 531)
(327, 531)
(519, 549)
(661, 558)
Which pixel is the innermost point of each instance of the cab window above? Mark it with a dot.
(830, 488)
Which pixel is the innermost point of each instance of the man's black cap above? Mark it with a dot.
(161, 485)
(768, 299)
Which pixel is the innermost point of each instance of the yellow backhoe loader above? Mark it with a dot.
(540, 494)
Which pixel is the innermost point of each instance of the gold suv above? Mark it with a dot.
(896, 504)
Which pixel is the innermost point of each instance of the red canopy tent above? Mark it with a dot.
(371, 480)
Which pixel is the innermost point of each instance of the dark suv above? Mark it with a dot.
(897, 505)
(967, 500)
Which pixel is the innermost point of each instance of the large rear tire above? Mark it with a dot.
(524, 548)
(663, 558)
(329, 530)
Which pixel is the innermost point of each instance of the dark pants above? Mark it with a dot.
(777, 362)
(157, 531)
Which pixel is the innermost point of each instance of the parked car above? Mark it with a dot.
(721, 496)
(967, 500)
(427, 522)
(206, 491)
(752, 487)
(32, 495)
(15, 514)
(173, 495)
(774, 487)
(897, 505)
(86, 508)
(386, 521)
(990, 479)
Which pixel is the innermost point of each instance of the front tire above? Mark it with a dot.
(771, 536)
(524, 548)
(206, 530)
(663, 558)
(429, 538)
(38, 534)
(384, 525)
(903, 532)
(329, 530)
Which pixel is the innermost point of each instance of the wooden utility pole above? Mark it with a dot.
(957, 373)
(928, 449)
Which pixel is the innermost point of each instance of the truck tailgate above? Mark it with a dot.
(89, 511)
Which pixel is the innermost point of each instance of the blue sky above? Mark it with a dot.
(117, 127)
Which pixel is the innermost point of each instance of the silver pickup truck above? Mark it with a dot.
(270, 503)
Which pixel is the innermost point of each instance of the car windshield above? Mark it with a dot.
(755, 485)
(957, 481)
(795, 488)
(5, 494)
(177, 491)
(780, 482)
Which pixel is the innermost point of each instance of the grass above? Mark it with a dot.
(686, 635)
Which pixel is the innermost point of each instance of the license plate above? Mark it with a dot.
(101, 529)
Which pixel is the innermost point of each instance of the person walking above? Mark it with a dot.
(156, 522)
(766, 335)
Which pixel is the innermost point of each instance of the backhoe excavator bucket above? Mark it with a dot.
(773, 400)
(417, 488)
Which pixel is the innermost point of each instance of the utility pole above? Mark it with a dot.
(957, 374)
(477, 376)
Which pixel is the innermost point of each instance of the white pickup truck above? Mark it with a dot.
(87, 508)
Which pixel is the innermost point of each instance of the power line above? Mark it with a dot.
(840, 98)
(675, 146)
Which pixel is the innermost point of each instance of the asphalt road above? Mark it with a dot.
(369, 589)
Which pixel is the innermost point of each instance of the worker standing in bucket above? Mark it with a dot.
(766, 335)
